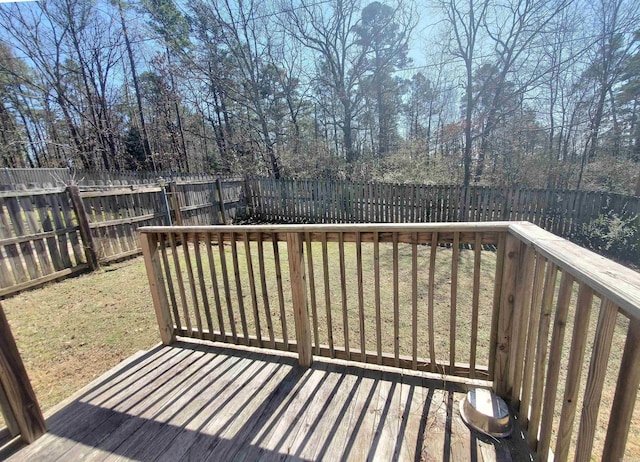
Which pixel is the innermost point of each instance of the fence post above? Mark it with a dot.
(299, 298)
(16, 388)
(504, 341)
(152, 264)
(223, 213)
(85, 229)
(175, 203)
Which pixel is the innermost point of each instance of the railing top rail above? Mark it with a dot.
(346, 227)
(616, 282)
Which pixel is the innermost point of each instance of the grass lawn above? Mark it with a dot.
(71, 332)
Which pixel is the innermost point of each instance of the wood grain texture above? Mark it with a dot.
(17, 388)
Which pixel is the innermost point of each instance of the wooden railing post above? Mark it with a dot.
(24, 411)
(299, 297)
(85, 230)
(153, 266)
(504, 341)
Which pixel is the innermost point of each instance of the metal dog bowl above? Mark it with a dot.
(486, 412)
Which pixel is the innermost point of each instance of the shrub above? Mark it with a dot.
(612, 235)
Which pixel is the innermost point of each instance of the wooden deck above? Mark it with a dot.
(196, 402)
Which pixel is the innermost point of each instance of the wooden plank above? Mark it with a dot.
(455, 255)
(12, 251)
(252, 287)
(192, 284)
(162, 241)
(239, 295)
(36, 235)
(595, 380)
(265, 294)
(283, 317)
(214, 283)
(27, 252)
(203, 287)
(522, 309)
(534, 324)
(396, 301)
(343, 292)
(58, 275)
(431, 305)
(504, 342)
(376, 269)
(227, 291)
(414, 302)
(576, 356)
(153, 266)
(312, 293)
(17, 388)
(625, 395)
(553, 369)
(327, 293)
(475, 303)
(45, 221)
(360, 295)
(541, 355)
(299, 298)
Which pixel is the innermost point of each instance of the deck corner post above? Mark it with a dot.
(22, 409)
(153, 266)
(505, 314)
(85, 229)
(299, 297)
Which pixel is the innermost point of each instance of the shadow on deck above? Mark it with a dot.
(196, 402)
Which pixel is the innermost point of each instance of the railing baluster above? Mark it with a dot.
(192, 284)
(553, 370)
(475, 303)
(312, 294)
(167, 270)
(227, 290)
(495, 318)
(455, 255)
(414, 300)
(252, 287)
(214, 283)
(283, 317)
(541, 354)
(522, 309)
(376, 269)
(595, 380)
(431, 307)
(360, 295)
(265, 294)
(625, 395)
(396, 304)
(534, 325)
(576, 356)
(239, 296)
(327, 293)
(203, 288)
(343, 291)
(183, 295)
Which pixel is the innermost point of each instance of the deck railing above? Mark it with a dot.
(501, 304)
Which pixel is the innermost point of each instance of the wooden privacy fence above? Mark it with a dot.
(425, 297)
(50, 234)
(60, 177)
(334, 201)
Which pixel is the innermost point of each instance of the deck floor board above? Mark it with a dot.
(194, 402)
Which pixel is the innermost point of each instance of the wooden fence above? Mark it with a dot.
(330, 201)
(50, 234)
(60, 177)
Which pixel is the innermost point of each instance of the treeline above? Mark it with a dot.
(537, 93)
